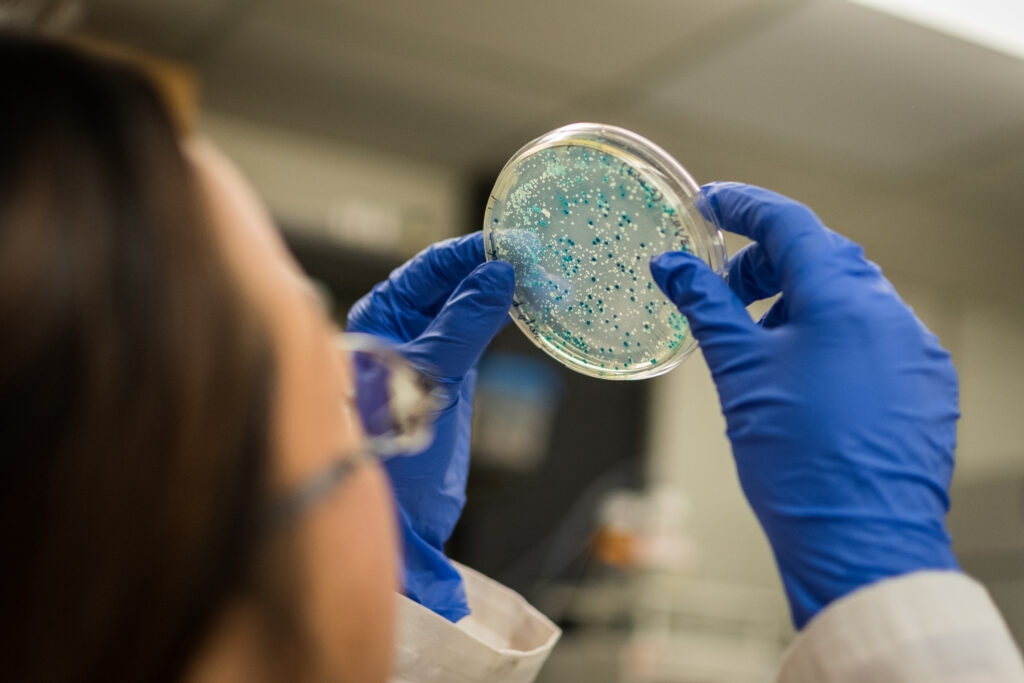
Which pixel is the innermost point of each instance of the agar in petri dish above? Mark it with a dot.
(579, 213)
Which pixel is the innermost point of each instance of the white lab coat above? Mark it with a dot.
(926, 627)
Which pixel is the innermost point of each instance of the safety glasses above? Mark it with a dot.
(391, 402)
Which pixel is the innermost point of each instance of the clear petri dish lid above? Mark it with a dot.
(579, 213)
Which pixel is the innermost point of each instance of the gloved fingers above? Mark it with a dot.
(429, 576)
(791, 236)
(475, 312)
(717, 318)
(750, 274)
(776, 315)
(418, 288)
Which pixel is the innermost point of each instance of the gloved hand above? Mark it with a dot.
(840, 405)
(443, 307)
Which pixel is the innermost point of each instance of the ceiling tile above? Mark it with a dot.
(867, 89)
(580, 42)
(324, 73)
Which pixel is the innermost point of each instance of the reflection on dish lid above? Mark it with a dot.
(579, 213)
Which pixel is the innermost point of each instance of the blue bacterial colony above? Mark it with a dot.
(580, 225)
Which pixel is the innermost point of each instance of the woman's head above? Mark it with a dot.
(162, 378)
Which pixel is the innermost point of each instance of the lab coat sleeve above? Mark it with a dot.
(503, 640)
(925, 627)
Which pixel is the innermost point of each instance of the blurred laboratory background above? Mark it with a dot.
(375, 127)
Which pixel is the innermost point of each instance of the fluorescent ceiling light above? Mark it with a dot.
(996, 24)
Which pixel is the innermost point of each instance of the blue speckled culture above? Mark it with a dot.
(580, 220)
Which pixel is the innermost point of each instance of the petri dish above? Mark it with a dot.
(579, 213)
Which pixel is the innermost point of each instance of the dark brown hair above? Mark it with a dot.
(134, 381)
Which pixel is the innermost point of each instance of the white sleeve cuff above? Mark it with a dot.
(504, 640)
(931, 626)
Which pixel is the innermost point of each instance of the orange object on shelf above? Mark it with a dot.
(616, 547)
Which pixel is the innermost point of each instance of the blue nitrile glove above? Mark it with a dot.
(443, 307)
(841, 406)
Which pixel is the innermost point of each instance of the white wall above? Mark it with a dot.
(355, 195)
(991, 385)
(688, 448)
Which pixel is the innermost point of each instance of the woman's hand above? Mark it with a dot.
(443, 307)
(841, 406)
